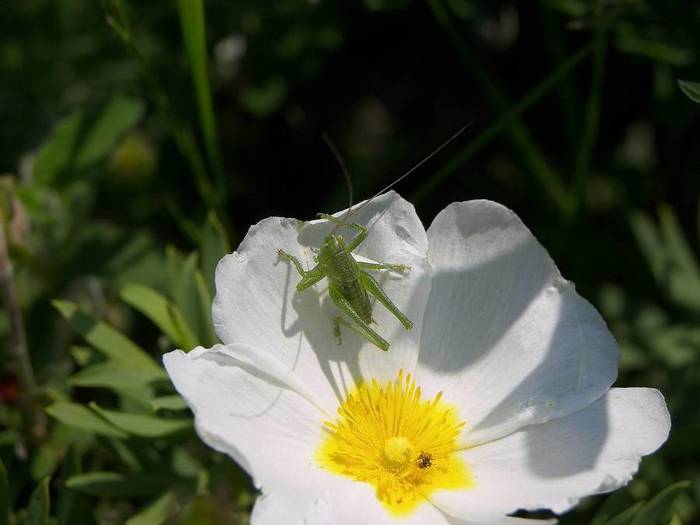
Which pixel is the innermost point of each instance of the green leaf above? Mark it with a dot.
(138, 260)
(214, 245)
(192, 23)
(68, 499)
(626, 516)
(660, 505)
(628, 41)
(691, 89)
(675, 345)
(613, 505)
(205, 299)
(38, 510)
(675, 520)
(650, 243)
(108, 341)
(46, 459)
(143, 425)
(114, 485)
(122, 379)
(111, 374)
(85, 139)
(157, 512)
(179, 272)
(127, 456)
(189, 290)
(676, 243)
(199, 511)
(4, 496)
(79, 416)
(164, 314)
(173, 402)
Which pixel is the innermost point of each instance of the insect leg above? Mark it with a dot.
(293, 260)
(308, 278)
(357, 240)
(355, 323)
(372, 286)
(400, 268)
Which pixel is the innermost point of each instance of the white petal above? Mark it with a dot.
(289, 506)
(505, 337)
(281, 507)
(354, 503)
(351, 504)
(252, 414)
(257, 304)
(506, 520)
(553, 465)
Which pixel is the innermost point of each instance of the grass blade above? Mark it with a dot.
(660, 505)
(520, 136)
(192, 23)
(591, 128)
(483, 139)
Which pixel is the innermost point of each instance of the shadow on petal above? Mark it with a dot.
(517, 315)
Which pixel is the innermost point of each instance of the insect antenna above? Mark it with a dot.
(343, 166)
(414, 168)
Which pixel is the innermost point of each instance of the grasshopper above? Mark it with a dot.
(349, 282)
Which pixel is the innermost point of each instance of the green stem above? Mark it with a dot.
(519, 135)
(591, 127)
(566, 94)
(505, 121)
(191, 14)
(181, 134)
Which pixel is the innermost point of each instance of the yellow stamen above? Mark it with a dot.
(388, 436)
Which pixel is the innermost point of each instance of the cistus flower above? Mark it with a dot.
(499, 399)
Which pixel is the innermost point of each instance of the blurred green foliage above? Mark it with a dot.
(140, 141)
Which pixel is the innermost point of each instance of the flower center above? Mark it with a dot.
(403, 445)
(398, 452)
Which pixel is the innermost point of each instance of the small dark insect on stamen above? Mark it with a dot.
(425, 460)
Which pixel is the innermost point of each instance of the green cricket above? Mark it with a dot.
(349, 282)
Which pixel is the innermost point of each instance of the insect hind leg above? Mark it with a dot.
(355, 322)
(373, 288)
(399, 268)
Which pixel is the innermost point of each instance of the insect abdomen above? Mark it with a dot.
(345, 274)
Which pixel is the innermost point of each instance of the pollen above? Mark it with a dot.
(387, 435)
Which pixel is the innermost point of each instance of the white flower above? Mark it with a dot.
(499, 399)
